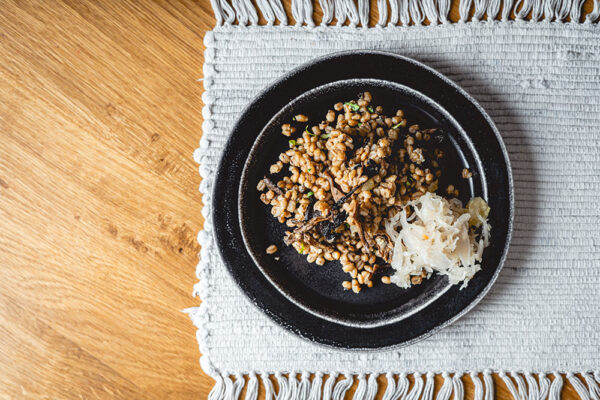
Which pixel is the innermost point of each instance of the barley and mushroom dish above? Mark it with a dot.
(359, 187)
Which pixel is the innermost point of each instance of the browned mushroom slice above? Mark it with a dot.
(385, 245)
(272, 186)
(369, 239)
(303, 227)
(354, 220)
(335, 192)
(311, 241)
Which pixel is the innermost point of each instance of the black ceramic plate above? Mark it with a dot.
(308, 299)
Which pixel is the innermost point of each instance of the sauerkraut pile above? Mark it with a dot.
(432, 233)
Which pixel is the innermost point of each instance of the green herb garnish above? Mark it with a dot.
(354, 107)
(347, 225)
(370, 109)
(301, 251)
(309, 132)
(310, 170)
(359, 124)
(309, 193)
(326, 136)
(292, 142)
(402, 123)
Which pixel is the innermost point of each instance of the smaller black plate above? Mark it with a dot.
(309, 299)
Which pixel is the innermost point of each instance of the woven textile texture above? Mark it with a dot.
(540, 83)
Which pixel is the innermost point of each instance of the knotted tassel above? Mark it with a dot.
(446, 389)
(401, 387)
(328, 387)
(252, 389)
(417, 389)
(342, 387)
(361, 389)
(478, 393)
(315, 387)
(510, 385)
(582, 391)
(269, 389)
(218, 389)
(556, 387)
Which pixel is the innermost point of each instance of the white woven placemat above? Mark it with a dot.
(540, 83)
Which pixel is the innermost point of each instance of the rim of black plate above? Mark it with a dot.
(249, 277)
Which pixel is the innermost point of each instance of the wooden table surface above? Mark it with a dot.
(100, 112)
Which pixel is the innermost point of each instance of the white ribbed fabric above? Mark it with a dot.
(540, 83)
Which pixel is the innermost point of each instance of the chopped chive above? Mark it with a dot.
(326, 136)
(309, 132)
(310, 170)
(301, 251)
(292, 142)
(347, 225)
(294, 119)
(359, 124)
(354, 107)
(370, 109)
(402, 123)
(309, 193)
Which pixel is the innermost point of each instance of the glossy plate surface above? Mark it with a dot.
(309, 299)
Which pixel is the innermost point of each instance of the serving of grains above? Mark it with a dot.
(342, 177)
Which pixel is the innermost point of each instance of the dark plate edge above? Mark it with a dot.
(500, 141)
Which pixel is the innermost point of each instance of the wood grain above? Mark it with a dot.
(100, 113)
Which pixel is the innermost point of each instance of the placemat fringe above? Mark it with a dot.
(340, 389)
(510, 385)
(316, 385)
(582, 391)
(478, 392)
(521, 385)
(229, 388)
(593, 16)
(304, 386)
(218, 390)
(401, 386)
(266, 10)
(269, 389)
(405, 12)
(556, 387)
(592, 384)
(429, 386)
(458, 386)
(252, 387)
(361, 389)
(327, 388)
(282, 382)
(390, 387)
(544, 386)
(446, 390)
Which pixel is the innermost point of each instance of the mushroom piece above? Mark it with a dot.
(328, 228)
(303, 227)
(272, 186)
(384, 245)
(354, 220)
(335, 192)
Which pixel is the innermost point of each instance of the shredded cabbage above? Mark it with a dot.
(437, 237)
